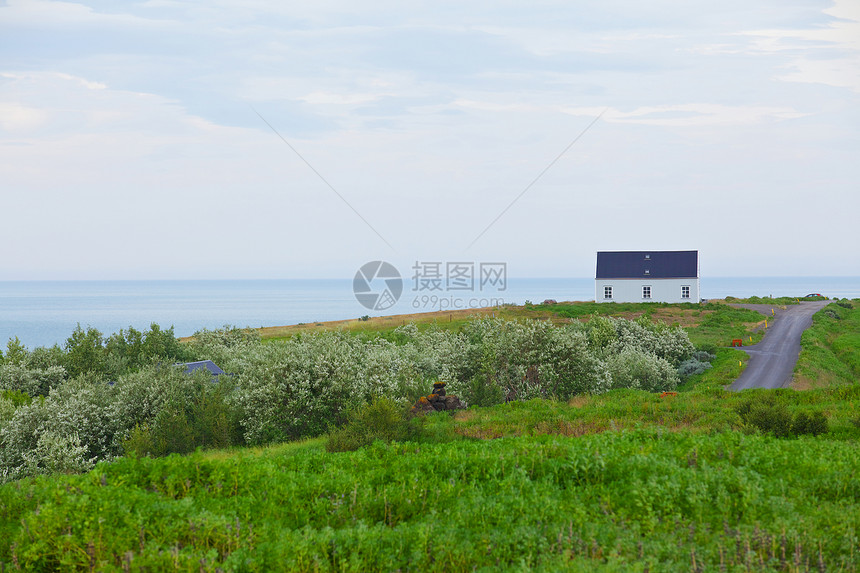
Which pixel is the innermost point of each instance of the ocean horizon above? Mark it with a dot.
(44, 313)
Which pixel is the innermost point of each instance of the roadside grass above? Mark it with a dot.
(780, 300)
(725, 369)
(830, 348)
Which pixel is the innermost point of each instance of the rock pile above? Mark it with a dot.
(437, 401)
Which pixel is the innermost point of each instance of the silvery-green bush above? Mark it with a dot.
(634, 368)
(7, 409)
(82, 405)
(301, 386)
(19, 437)
(305, 385)
(669, 343)
(31, 381)
(531, 359)
(58, 452)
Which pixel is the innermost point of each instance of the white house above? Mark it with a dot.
(647, 276)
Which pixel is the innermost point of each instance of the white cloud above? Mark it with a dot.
(680, 115)
(828, 55)
(15, 117)
(49, 13)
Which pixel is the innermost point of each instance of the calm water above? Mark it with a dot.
(45, 312)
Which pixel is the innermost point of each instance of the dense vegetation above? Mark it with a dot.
(604, 442)
(560, 489)
(97, 399)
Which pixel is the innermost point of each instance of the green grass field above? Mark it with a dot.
(622, 481)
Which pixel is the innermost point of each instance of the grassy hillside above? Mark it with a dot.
(624, 480)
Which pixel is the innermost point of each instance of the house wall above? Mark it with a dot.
(662, 290)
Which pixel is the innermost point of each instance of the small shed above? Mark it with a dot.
(647, 276)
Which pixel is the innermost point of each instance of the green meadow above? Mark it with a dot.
(685, 477)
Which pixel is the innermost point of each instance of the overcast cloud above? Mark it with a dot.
(131, 146)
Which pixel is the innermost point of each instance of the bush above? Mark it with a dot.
(814, 423)
(181, 413)
(382, 419)
(691, 367)
(770, 416)
(31, 381)
(483, 391)
(708, 348)
(635, 369)
(58, 452)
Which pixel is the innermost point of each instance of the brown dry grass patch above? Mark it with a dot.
(385, 322)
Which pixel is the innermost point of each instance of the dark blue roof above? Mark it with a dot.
(202, 364)
(647, 264)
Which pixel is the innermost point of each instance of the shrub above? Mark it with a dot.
(669, 343)
(58, 452)
(31, 381)
(698, 363)
(299, 387)
(633, 368)
(164, 411)
(814, 423)
(19, 436)
(691, 367)
(483, 389)
(600, 331)
(382, 419)
(767, 415)
(708, 348)
(43, 357)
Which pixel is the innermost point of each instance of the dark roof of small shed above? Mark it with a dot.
(202, 364)
(647, 264)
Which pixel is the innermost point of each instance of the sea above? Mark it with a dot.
(44, 313)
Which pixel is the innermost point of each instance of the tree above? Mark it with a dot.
(85, 351)
(16, 352)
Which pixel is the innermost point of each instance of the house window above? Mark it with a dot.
(685, 292)
(607, 292)
(646, 292)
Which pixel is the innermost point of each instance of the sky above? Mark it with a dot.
(254, 139)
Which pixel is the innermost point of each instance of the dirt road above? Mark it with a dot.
(772, 360)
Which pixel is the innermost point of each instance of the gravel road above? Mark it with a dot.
(772, 360)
